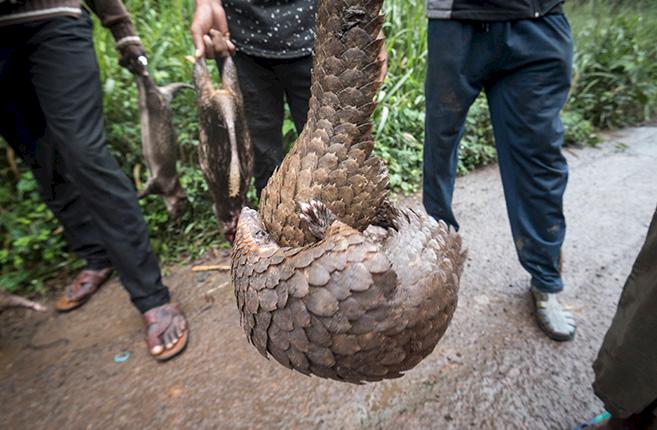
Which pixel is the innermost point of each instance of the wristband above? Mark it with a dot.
(128, 40)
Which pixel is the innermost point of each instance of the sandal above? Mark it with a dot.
(85, 284)
(158, 320)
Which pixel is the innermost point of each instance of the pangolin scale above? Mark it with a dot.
(330, 277)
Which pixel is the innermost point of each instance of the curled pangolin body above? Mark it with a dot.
(330, 278)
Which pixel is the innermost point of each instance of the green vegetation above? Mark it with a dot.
(615, 84)
(615, 81)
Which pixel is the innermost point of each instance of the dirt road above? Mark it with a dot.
(493, 369)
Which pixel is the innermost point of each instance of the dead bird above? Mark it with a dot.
(159, 143)
(225, 150)
(13, 301)
(331, 278)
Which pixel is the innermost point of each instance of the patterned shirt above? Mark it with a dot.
(272, 28)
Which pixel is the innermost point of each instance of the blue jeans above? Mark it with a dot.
(524, 67)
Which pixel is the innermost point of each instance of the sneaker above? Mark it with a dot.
(552, 317)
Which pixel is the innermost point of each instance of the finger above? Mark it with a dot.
(201, 23)
(143, 71)
(209, 47)
(133, 65)
(219, 20)
(231, 47)
(139, 68)
(197, 36)
(220, 44)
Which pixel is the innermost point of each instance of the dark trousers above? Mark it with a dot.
(51, 114)
(266, 84)
(524, 67)
(626, 368)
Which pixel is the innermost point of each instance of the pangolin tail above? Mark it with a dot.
(332, 160)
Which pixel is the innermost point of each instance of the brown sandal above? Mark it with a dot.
(85, 284)
(158, 320)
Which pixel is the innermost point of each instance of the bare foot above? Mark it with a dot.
(166, 331)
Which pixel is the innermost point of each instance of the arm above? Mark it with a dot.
(210, 30)
(114, 16)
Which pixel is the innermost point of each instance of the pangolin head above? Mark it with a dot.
(251, 231)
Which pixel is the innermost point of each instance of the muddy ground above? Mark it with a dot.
(493, 369)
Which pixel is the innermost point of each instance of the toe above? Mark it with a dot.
(157, 349)
(181, 325)
(169, 339)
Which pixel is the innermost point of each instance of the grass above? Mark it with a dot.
(615, 79)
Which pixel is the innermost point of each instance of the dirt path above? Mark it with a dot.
(493, 369)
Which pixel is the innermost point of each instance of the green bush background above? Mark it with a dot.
(615, 84)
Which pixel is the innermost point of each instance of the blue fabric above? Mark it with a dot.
(524, 67)
(597, 420)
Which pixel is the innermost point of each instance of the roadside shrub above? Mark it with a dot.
(615, 82)
(32, 247)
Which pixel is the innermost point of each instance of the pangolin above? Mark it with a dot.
(225, 150)
(330, 277)
(159, 143)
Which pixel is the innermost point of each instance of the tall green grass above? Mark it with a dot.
(615, 79)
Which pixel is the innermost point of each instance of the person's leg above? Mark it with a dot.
(61, 68)
(525, 98)
(295, 76)
(80, 230)
(525, 102)
(65, 76)
(263, 104)
(625, 377)
(21, 122)
(456, 58)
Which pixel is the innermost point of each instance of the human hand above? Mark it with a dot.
(210, 30)
(133, 57)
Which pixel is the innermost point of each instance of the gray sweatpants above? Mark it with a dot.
(626, 367)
